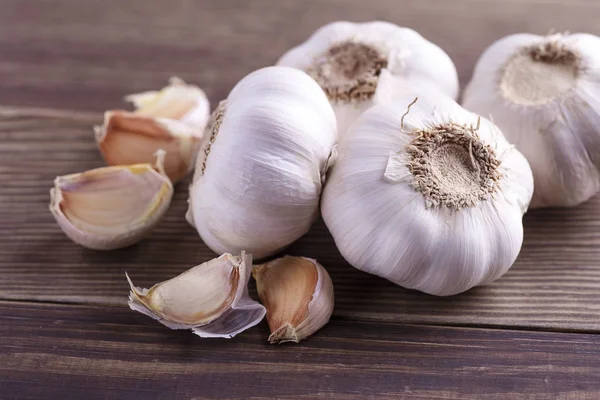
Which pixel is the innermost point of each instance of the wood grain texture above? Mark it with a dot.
(81, 352)
(555, 283)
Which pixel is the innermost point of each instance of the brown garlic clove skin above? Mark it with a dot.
(172, 119)
(211, 299)
(111, 207)
(298, 295)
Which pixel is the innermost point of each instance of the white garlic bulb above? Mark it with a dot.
(356, 63)
(427, 195)
(211, 299)
(259, 175)
(544, 93)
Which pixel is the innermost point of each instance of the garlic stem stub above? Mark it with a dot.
(361, 64)
(111, 207)
(172, 119)
(428, 196)
(211, 299)
(262, 165)
(298, 295)
(543, 92)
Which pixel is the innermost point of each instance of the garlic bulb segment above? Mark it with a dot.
(298, 295)
(427, 195)
(349, 61)
(544, 93)
(111, 207)
(211, 299)
(259, 173)
(172, 119)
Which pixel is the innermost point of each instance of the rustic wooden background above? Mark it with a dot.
(65, 331)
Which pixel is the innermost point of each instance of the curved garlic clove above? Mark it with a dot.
(211, 299)
(172, 119)
(348, 60)
(111, 207)
(298, 295)
(543, 93)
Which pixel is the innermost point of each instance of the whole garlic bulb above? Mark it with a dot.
(353, 61)
(544, 93)
(427, 195)
(259, 174)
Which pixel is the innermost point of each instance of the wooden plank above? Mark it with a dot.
(87, 55)
(82, 352)
(555, 283)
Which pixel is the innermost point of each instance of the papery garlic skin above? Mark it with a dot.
(172, 119)
(439, 219)
(298, 295)
(354, 61)
(111, 207)
(211, 299)
(259, 174)
(544, 93)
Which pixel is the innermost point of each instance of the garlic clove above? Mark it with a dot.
(111, 207)
(172, 119)
(211, 299)
(298, 295)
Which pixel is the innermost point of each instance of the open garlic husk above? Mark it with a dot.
(298, 295)
(353, 62)
(111, 207)
(172, 119)
(427, 195)
(211, 299)
(544, 93)
(261, 169)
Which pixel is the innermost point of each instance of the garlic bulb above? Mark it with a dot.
(356, 62)
(259, 175)
(172, 119)
(211, 299)
(111, 207)
(298, 295)
(544, 93)
(427, 195)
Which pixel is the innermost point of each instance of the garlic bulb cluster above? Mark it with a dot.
(172, 119)
(544, 93)
(111, 207)
(211, 299)
(298, 295)
(262, 164)
(427, 195)
(359, 64)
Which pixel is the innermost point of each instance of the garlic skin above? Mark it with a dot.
(111, 207)
(261, 169)
(543, 92)
(428, 196)
(172, 119)
(211, 299)
(298, 295)
(361, 64)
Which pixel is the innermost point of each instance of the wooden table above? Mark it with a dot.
(65, 329)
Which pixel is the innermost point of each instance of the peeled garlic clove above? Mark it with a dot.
(111, 207)
(543, 93)
(298, 295)
(211, 299)
(347, 60)
(260, 172)
(427, 195)
(172, 119)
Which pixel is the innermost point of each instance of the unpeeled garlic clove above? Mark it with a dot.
(111, 207)
(172, 119)
(298, 295)
(211, 299)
